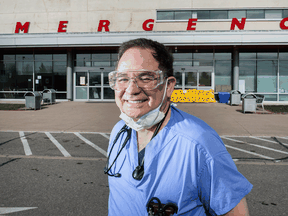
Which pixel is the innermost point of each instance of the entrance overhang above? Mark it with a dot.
(174, 38)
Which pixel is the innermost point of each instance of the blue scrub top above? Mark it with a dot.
(186, 163)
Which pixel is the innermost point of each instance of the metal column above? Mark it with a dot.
(235, 68)
(69, 75)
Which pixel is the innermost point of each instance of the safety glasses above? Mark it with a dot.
(144, 79)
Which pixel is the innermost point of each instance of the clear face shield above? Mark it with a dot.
(144, 79)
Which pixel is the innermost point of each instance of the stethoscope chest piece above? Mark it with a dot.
(138, 172)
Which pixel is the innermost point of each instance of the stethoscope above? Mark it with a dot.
(139, 170)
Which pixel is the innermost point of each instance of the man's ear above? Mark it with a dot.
(170, 85)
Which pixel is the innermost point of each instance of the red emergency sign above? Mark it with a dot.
(147, 25)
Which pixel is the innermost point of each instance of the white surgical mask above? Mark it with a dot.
(148, 120)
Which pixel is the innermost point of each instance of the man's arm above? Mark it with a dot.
(240, 210)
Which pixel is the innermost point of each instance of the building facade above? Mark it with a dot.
(71, 45)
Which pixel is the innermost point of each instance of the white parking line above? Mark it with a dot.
(259, 146)
(91, 144)
(25, 143)
(58, 145)
(106, 136)
(268, 140)
(7, 210)
(248, 152)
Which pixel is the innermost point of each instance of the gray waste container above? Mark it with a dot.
(235, 98)
(33, 100)
(249, 103)
(49, 96)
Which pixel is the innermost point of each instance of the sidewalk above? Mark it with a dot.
(101, 117)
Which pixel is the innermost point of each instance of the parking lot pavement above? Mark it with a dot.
(35, 161)
(94, 145)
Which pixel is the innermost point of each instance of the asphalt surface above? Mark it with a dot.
(52, 160)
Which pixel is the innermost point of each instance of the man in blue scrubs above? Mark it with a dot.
(161, 151)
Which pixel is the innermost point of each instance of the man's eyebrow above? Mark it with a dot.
(122, 74)
(147, 73)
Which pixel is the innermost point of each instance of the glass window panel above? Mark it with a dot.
(203, 55)
(59, 67)
(178, 75)
(267, 76)
(108, 93)
(83, 60)
(61, 95)
(270, 97)
(59, 57)
(43, 67)
(222, 72)
(283, 76)
(218, 14)
(94, 93)
(9, 57)
(190, 79)
(83, 57)
(255, 14)
(183, 15)
(250, 55)
(165, 15)
(203, 14)
(99, 64)
(247, 72)
(22, 57)
(205, 79)
(182, 56)
(283, 97)
(236, 14)
(10, 95)
(60, 82)
(222, 56)
(273, 14)
(285, 14)
(182, 63)
(106, 80)
(95, 78)
(81, 93)
(283, 55)
(114, 56)
(43, 57)
(20, 76)
(101, 57)
(24, 68)
(202, 63)
(270, 55)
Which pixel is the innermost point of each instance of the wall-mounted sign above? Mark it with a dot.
(82, 80)
(148, 25)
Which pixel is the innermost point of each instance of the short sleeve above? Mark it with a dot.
(220, 186)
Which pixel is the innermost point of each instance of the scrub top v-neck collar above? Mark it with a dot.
(151, 149)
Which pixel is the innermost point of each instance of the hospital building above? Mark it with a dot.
(71, 46)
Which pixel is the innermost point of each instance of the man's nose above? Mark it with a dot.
(133, 87)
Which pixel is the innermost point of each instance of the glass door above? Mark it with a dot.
(81, 85)
(99, 88)
(200, 78)
(92, 84)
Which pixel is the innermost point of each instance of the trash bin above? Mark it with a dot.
(49, 96)
(33, 100)
(235, 97)
(249, 103)
(223, 97)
